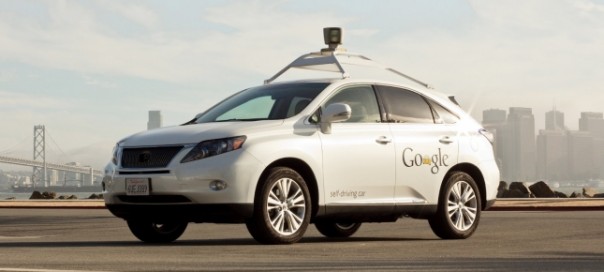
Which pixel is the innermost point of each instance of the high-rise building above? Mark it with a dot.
(581, 155)
(592, 122)
(552, 155)
(554, 120)
(519, 154)
(494, 120)
(155, 120)
(493, 116)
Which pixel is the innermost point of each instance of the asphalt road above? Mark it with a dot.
(92, 240)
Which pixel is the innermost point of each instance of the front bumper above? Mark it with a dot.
(199, 213)
(183, 191)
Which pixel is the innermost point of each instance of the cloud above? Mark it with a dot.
(139, 14)
(506, 53)
(13, 99)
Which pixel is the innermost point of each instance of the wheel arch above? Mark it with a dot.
(304, 170)
(475, 173)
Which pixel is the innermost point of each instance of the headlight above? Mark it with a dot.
(211, 148)
(115, 152)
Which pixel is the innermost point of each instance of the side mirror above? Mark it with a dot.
(337, 112)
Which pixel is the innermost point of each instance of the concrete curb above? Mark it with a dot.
(52, 204)
(508, 204)
(549, 204)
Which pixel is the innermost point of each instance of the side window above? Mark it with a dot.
(362, 102)
(442, 115)
(404, 106)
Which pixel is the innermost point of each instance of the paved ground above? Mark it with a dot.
(93, 240)
(505, 204)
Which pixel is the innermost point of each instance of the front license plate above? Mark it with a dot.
(138, 186)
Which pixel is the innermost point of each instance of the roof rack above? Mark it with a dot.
(331, 59)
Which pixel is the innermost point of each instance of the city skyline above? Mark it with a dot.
(91, 70)
(555, 153)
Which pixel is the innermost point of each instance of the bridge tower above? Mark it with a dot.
(39, 173)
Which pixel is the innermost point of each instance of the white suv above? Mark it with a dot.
(335, 153)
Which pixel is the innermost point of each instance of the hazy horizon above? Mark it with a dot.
(91, 70)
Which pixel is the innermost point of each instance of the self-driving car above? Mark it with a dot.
(334, 152)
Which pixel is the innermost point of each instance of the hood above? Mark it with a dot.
(193, 134)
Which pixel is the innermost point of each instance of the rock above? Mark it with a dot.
(522, 189)
(49, 195)
(560, 194)
(95, 196)
(515, 193)
(11, 198)
(501, 190)
(540, 189)
(589, 192)
(36, 195)
(72, 197)
(599, 195)
(576, 195)
(62, 197)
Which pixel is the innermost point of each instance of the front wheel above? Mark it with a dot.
(459, 207)
(337, 230)
(282, 208)
(154, 232)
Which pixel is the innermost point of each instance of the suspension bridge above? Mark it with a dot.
(41, 166)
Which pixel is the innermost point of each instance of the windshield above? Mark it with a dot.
(268, 102)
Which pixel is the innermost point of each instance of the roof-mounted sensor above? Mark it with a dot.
(330, 59)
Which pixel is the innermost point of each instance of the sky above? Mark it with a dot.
(91, 70)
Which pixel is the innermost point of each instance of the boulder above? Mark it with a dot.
(560, 194)
(522, 189)
(36, 195)
(95, 196)
(576, 195)
(515, 193)
(502, 189)
(49, 195)
(589, 192)
(540, 189)
(72, 197)
(599, 195)
(11, 198)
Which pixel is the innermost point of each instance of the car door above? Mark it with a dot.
(426, 147)
(358, 155)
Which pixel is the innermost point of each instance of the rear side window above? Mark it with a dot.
(404, 106)
(442, 115)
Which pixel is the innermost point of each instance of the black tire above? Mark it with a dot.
(337, 230)
(152, 232)
(459, 208)
(283, 219)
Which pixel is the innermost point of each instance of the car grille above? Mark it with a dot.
(150, 157)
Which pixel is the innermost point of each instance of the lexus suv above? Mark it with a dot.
(330, 152)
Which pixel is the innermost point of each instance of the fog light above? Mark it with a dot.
(218, 185)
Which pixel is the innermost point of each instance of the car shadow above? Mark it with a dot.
(209, 242)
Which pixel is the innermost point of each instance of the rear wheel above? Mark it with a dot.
(337, 230)
(281, 208)
(459, 207)
(154, 232)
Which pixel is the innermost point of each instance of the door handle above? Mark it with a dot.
(383, 140)
(445, 140)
